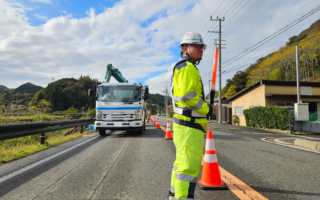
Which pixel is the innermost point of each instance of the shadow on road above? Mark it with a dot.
(150, 132)
(274, 190)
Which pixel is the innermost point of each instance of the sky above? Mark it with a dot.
(46, 40)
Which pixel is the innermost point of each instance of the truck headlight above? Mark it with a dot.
(138, 114)
(99, 114)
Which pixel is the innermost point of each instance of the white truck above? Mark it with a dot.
(120, 106)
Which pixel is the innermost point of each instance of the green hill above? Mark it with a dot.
(281, 64)
(2, 87)
(155, 100)
(28, 88)
(66, 93)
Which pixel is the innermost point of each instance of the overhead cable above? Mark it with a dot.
(267, 39)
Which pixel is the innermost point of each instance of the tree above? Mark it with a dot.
(239, 79)
(231, 91)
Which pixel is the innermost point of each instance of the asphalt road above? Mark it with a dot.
(275, 171)
(129, 166)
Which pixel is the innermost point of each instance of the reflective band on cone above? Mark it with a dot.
(168, 132)
(158, 124)
(210, 178)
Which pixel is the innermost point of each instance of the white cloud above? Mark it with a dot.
(43, 18)
(42, 1)
(135, 36)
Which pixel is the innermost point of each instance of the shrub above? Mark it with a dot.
(92, 113)
(268, 117)
(72, 113)
(235, 120)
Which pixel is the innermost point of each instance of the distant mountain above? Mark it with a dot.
(158, 98)
(2, 87)
(28, 88)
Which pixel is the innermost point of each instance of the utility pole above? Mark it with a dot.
(219, 19)
(166, 100)
(210, 97)
(297, 71)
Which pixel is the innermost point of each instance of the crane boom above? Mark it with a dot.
(111, 71)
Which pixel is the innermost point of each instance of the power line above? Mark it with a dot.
(251, 31)
(227, 13)
(221, 12)
(243, 65)
(209, 20)
(267, 39)
(251, 10)
(237, 13)
(231, 17)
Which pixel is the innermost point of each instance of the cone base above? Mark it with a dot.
(205, 187)
(168, 138)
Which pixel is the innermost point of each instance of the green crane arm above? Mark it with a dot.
(111, 71)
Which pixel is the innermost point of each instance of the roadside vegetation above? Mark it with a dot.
(16, 109)
(13, 149)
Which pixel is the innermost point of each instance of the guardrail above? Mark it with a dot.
(19, 130)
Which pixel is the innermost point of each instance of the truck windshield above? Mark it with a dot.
(119, 93)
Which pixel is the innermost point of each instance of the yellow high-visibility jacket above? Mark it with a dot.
(188, 94)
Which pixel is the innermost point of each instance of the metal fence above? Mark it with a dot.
(313, 125)
(307, 126)
(314, 117)
(19, 130)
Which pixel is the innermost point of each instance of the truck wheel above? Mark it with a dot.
(102, 132)
(144, 126)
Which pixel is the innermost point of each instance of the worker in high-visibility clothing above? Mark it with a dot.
(190, 118)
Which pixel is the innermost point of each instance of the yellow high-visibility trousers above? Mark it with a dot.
(189, 144)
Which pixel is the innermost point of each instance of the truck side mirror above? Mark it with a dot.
(146, 91)
(146, 97)
(89, 92)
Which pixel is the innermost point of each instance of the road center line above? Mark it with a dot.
(20, 171)
(239, 188)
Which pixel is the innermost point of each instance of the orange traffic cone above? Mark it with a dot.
(210, 178)
(158, 124)
(154, 120)
(168, 132)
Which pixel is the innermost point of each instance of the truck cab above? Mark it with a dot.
(120, 106)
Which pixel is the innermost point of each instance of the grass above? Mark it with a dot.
(17, 148)
(304, 133)
(34, 118)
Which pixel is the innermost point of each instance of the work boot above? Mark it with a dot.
(170, 196)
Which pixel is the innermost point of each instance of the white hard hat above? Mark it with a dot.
(192, 37)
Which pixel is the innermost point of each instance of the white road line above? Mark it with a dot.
(265, 140)
(304, 137)
(20, 171)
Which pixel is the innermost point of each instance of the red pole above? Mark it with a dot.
(214, 74)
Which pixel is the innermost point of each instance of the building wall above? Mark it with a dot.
(253, 97)
(268, 95)
(273, 100)
(292, 90)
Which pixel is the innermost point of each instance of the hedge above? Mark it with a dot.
(271, 117)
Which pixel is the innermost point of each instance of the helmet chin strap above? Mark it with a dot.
(197, 63)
